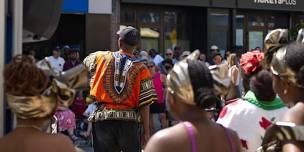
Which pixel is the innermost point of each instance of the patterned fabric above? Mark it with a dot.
(158, 85)
(66, 119)
(119, 80)
(250, 120)
(279, 133)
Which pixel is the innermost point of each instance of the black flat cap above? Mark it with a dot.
(129, 35)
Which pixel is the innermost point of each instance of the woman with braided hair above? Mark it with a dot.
(32, 96)
(286, 63)
(189, 91)
(252, 114)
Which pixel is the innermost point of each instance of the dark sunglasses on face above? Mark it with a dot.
(168, 67)
(150, 66)
(168, 54)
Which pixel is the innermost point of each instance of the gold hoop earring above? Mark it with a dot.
(285, 91)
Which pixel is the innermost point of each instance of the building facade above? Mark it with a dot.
(232, 25)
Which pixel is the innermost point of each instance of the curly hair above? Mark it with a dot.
(23, 78)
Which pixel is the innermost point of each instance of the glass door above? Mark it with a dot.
(149, 26)
(255, 39)
(256, 32)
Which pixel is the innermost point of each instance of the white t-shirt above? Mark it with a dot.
(250, 121)
(158, 59)
(56, 63)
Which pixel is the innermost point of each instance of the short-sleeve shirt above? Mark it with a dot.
(56, 63)
(119, 81)
(250, 118)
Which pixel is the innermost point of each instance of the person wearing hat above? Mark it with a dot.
(123, 89)
(216, 58)
(214, 48)
(56, 61)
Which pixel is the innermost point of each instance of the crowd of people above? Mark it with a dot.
(140, 100)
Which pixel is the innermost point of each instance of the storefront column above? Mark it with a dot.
(115, 22)
(17, 26)
(2, 55)
(233, 30)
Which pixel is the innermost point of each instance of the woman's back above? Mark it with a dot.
(30, 139)
(206, 137)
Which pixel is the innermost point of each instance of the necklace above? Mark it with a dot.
(29, 126)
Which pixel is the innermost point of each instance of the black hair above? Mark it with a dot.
(168, 61)
(261, 86)
(247, 77)
(132, 37)
(295, 60)
(216, 53)
(177, 48)
(202, 84)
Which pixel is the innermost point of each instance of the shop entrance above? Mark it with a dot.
(253, 26)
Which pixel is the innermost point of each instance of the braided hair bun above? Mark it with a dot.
(202, 84)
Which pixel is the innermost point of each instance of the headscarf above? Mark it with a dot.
(179, 81)
(62, 88)
(277, 55)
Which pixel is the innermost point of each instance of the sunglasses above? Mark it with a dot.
(150, 66)
(169, 54)
(168, 67)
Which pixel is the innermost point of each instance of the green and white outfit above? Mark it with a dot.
(250, 118)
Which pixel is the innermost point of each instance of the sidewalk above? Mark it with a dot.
(84, 145)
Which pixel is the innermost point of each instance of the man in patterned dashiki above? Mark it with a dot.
(123, 89)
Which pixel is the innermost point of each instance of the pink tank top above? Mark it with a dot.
(190, 131)
(158, 87)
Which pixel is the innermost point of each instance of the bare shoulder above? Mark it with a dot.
(166, 140)
(62, 142)
(236, 139)
(295, 114)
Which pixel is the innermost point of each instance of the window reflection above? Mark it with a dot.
(277, 22)
(256, 21)
(149, 38)
(149, 17)
(128, 16)
(170, 17)
(239, 32)
(218, 28)
(175, 34)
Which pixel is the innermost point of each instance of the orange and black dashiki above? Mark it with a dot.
(119, 81)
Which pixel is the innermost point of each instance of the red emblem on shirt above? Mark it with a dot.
(244, 143)
(265, 123)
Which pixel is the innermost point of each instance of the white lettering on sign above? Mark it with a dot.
(277, 2)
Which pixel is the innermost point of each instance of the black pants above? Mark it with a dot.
(116, 136)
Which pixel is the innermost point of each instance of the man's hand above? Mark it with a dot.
(145, 112)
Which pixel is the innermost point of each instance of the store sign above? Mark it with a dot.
(288, 5)
(276, 2)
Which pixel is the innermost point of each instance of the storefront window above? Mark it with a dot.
(278, 21)
(256, 39)
(256, 21)
(159, 28)
(218, 28)
(149, 38)
(239, 32)
(128, 16)
(175, 30)
(149, 17)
